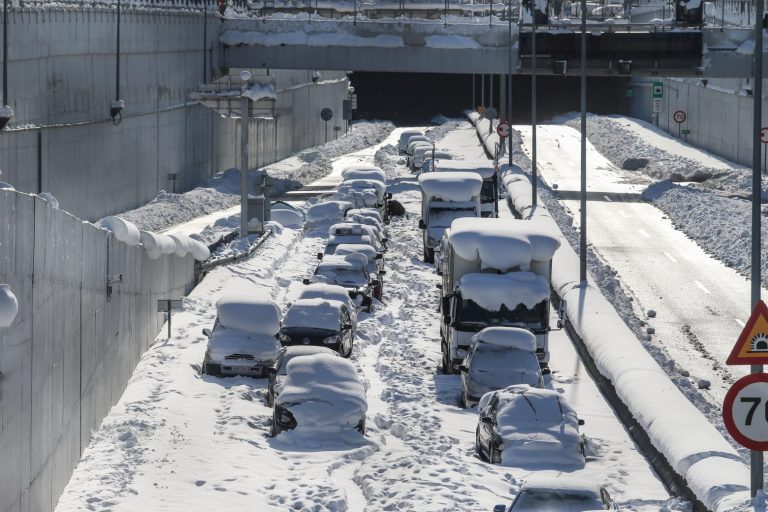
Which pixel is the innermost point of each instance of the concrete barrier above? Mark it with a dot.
(69, 353)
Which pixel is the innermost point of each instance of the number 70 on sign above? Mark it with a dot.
(745, 411)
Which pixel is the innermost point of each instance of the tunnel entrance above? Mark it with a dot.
(409, 99)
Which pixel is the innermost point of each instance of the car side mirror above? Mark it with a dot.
(305, 280)
(379, 256)
(320, 255)
(447, 319)
(486, 419)
(207, 332)
(499, 508)
(375, 282)
(421, 224)
(581, 423)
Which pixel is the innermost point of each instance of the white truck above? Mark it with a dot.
(489, 193)
(445, 197)
(496, 272)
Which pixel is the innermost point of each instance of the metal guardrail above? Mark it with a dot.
(201, 269)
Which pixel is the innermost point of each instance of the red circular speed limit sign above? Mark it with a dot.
(764, 135)
(503, 129)
(745, 411)
(679, 117)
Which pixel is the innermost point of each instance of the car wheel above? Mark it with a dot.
(429, 255)
(479, 446)
(463, 401)
(273, 429)
(447, 363)
(494, 456)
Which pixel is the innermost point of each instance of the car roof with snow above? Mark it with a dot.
(491, 291)
(314, 313)
(254, 312)
(369, 251)
(508, 337)
(484, 169)
(364, 183)
(503, 243)
(366, 212)
(351, 261)
(455, 186)
(349, 228)
(375, 174)
(575, 485)
(322, 390)
(325, 291)
(285, 354)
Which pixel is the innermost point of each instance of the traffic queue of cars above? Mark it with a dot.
(494, 310)
(302, 350)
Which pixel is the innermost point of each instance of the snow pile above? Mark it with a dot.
(123, 230)
(314, 313)
(494, 291)
(255, 312)
(332, 211)
(537, 427)
(186, 245)
(364, 173)
(324, 392)
(48, 198)
(457, 186)
(508, 337)
(156, 245)
(9, 306)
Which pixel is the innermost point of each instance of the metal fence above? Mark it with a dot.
(73, 345)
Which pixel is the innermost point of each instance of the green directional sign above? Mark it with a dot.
(686, 132)
(658, 89)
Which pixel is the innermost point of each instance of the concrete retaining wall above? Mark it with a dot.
(719, 115)
(62, 79)
(71, 350)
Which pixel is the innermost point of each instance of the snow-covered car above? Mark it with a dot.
(499, 357)
(428, 165)
(375, 263)
(367, 220)
(366, 212)
(353, 233)
(529, 427)
(327, 292)
(405, 139)
(321, 322)
(364, 172)
(559, 494)
(373, 229)
(278, 372)
(244, 336)
(320, 392)
(415, 141)
(349, 271)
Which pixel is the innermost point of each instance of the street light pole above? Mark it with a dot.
(509, 83)
(583, 201)
(5, 53)
(756, 457)
(244, 166)
(533, 104)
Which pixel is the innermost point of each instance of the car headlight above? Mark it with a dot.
(330, 340)
(284, 338)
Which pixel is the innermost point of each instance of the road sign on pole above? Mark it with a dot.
(745, 411)
(503, 129)
(658, 90)
(679, 117)
(752, 346)
(657, 105)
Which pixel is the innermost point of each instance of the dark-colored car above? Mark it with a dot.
(541, 494)
(278, 372)
(319, 322)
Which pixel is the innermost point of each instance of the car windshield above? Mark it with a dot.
(553, 501)
(343, 276)
(442, 217)
(470, 314)
(486, 192)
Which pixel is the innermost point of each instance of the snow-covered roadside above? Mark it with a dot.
(713, 208)
(223, 190)
(712, 468)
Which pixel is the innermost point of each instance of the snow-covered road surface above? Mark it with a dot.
(700, 304)
(181, 441)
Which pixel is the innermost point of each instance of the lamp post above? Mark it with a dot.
(245, 76)
(583, 198)
(533, 103)
(509, 83)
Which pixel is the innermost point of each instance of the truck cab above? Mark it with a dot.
(446, 197)
(489, 193)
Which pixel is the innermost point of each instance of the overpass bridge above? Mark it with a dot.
(476, 46)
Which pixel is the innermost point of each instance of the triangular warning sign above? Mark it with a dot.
(752, 345)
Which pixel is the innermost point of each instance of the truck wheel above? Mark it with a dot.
(447, 362)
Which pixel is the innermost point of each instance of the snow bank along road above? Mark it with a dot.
(179, 440)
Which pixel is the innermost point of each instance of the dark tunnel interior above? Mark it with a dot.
(415, 98)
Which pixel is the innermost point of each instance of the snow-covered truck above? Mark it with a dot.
(444, 198)
(496, 272)
(489, 193)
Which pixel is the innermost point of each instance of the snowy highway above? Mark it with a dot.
(700, 304)
(178, 440)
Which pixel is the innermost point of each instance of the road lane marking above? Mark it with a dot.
(644, 233)
(740, 322)
(673, 260)
(608, 199)
(702, 288)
